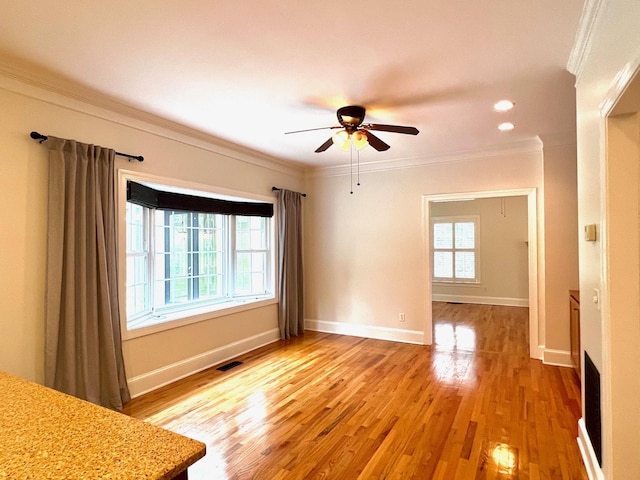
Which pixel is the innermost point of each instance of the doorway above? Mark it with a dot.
(429, 203)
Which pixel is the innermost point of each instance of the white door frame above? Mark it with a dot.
(620, 270)
(535, 322)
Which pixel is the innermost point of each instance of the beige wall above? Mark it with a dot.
(503, 261)
(365, 261)
(607, 182)
(23, 218)
(561, 242)
(365, 257)
(23, 191)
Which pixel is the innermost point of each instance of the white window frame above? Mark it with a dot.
(146, 253)
(172, 318)
(233, 252)
(453, 220)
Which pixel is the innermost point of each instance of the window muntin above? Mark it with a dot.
(455, 249)
(189, 247)
(179, 261)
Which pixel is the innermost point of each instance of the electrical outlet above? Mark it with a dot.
(402, 316)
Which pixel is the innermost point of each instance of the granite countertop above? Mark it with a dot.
(45, 434)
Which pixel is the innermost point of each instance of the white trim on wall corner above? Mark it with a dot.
(558, 358)
(594, 472)
(141, 384)
(505, 301)
(612, 103)
(591, 12)
(531, 146)
(366, 331)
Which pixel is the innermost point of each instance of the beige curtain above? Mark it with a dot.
(290, 308)
(83, 348)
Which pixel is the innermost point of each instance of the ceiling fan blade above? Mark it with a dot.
(391, 128)
(375, 142)
(311, 129)
(324, 146)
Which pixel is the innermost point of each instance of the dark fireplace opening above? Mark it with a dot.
(592, 412)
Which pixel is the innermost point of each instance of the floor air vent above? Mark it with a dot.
(229, 366)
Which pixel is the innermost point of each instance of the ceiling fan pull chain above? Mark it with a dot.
(358, 153)
(351, 166)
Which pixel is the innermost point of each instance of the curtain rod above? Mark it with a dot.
(42, 138)
(273, 189)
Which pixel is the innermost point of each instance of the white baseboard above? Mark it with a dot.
(559, 358)
(505, 301)
(367, 331)
(149, 381)
(594, 472)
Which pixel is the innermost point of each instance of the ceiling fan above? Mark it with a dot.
(354, 131)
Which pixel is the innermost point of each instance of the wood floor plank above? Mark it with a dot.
(473, 405)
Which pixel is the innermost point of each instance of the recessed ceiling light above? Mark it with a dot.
(506, 126)
(503, 105)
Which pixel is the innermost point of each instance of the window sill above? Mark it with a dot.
(160, 322)
(457, 284)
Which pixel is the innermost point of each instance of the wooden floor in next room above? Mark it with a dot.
(322, 406)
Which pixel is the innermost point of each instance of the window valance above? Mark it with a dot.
(153, 198)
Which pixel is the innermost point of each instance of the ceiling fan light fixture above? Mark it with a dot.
(356, 134)
(359, 139)
(341, 140)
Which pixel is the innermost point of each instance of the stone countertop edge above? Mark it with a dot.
(46, 434)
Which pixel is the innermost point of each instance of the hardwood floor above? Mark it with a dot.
(472, 406)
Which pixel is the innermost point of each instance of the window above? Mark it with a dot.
(188, 253)
(251, 253)
(455, 249)
(193, 259)
(137, 260)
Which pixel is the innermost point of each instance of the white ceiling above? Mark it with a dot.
(248, 71)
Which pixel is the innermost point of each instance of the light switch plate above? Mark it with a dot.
(596, 298)
(590, 233)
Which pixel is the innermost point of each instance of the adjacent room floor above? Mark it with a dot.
(474, 405)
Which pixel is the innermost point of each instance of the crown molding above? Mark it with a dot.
(617, 101)
(45, 86)
(559, 139)
(524, 147)
(591, 14)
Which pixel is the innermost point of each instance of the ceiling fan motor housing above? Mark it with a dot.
(351, 117)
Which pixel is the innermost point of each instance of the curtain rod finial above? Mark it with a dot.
(38, 136)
